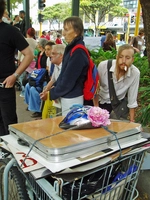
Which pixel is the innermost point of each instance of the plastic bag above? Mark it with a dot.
(49, 111)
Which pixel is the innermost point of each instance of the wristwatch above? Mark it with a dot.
(16, 75)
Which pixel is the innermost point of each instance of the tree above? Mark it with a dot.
(145, 4)
(90, 8)
(57, 13)
(14, 4)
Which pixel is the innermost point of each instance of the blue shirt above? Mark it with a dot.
(102, 40)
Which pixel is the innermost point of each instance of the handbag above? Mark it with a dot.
(119, 106)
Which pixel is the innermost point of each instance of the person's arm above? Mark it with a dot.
(132, 114)
(28, 57)
(132, 41)
(96, 100)
(49, 85)
(133, 93)
(136, 50)
(19, 57)
(43, 95)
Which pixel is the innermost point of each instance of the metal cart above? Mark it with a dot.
(115, 181)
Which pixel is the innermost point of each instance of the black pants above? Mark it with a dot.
(7, 109)
(88, 102)
(106, 106)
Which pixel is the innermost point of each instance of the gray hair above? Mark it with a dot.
(60, 48)
(42, 42)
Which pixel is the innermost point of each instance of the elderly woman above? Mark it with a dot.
(69, 85)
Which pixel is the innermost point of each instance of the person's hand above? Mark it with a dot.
(19, 62)
(43, 95)
(9, 81)
(136, 50)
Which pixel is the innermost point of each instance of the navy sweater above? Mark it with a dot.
(73, 74)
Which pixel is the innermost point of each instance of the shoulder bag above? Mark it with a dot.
(119, 106)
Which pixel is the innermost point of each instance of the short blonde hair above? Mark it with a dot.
(124, 47)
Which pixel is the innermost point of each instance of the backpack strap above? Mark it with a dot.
(80, 46)
(112, 93)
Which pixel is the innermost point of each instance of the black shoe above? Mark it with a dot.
(36, 114)
(27, 109)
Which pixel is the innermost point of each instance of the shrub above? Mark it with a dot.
(143, 112)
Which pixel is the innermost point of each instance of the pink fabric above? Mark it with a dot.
(31, 67)
(98, 117)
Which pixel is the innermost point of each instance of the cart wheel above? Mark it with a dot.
(16, 184)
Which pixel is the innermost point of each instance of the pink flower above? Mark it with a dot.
(98, 116)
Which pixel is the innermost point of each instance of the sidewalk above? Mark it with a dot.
(143, 185)
(22, 113)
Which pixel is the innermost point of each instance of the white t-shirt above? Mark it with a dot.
(32, 44)
(57, 70)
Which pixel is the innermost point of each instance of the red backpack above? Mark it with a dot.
(92, 79)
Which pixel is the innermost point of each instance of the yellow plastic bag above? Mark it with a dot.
(49, 111)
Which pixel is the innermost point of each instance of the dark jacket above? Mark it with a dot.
(73, 73)
(42, 61)
(22, 27)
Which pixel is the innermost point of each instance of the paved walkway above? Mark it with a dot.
(23, 114)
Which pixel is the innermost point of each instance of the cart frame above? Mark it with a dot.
(101, 181)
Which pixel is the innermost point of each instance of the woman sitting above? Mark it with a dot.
(32, 93)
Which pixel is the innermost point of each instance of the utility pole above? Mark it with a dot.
(8, 8)
(26, 7)
(137, 19)
(75, 7)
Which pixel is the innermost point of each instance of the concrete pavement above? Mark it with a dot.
(23, 114)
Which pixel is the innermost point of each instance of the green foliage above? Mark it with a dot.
(90, 8)
(14, 4)
(57, 12)
(143, 112)
(98, 55)
(143, 65)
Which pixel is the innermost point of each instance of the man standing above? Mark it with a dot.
(138, 41)
(125, 78)
(8, 72)
(23, 27)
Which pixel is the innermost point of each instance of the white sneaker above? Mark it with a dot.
(21, 95)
